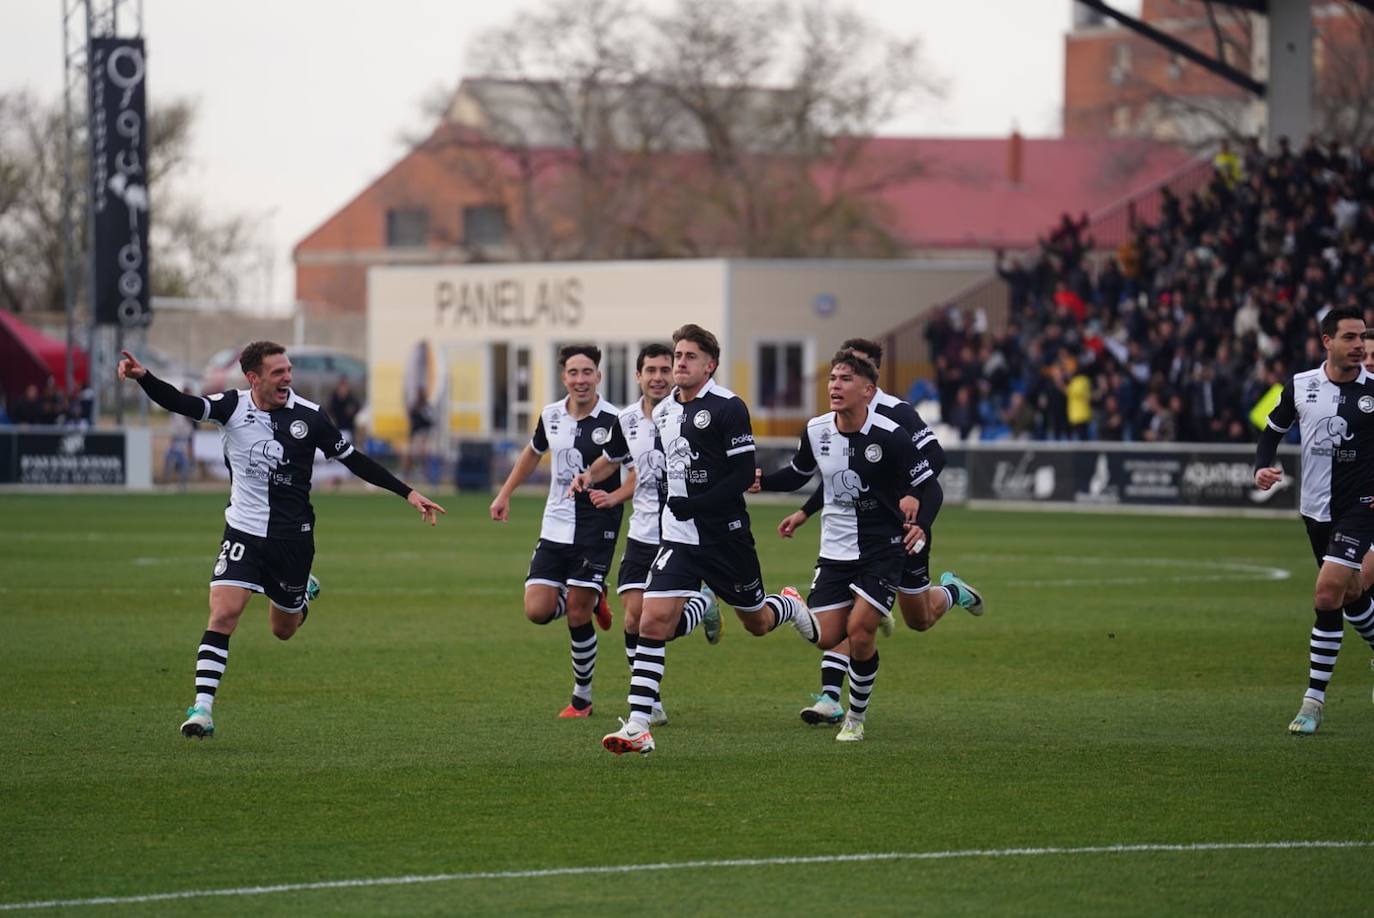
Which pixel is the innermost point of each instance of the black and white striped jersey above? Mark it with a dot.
(909, 419)
(698, 439)
(1336, 421)
(574, 445)
(864, 474)
(270, 456)
(635, 444)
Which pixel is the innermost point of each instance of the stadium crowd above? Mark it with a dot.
(1193, 319)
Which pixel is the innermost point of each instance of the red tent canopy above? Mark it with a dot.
(29, 356)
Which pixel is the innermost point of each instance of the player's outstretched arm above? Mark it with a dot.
(162, 393)
(368, 469)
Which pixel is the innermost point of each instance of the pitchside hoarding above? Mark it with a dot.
(1129, 475)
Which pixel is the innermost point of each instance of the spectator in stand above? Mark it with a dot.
(54, 410)
(343, 408)
(28, 408)
(1227, 164)
(1185, 326)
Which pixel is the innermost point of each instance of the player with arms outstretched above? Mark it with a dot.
(270, 435)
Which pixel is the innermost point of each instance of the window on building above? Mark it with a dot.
(617, 374)
(1121, 63)
(484, 225)
(407, 227)
(782, 383)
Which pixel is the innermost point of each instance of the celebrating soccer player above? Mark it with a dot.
(708, 447)
(921, 606)
(873, 484)
(567, 575)
(270, 436)
(635, 446)
(1334, 408)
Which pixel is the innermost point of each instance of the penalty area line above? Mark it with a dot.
(682, 865)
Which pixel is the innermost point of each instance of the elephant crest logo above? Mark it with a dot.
(1337, 430)
(568, 465)
(679, 456)
(264, 457)
(651, 466)
(846, 486)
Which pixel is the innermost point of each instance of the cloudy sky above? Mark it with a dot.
(301, 103)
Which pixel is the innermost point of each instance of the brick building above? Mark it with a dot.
(459, 198)
(1118, 83)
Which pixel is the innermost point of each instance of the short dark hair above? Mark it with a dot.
(700, 337)
(569, 351)
(1334, 317)
(864, 346)
(652, 350)
(856, 361)
(250, 358)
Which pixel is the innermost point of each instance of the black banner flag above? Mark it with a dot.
(119, 181)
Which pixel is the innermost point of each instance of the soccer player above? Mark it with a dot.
(634, 444)
(567, 575)
(270, 436)
(921, 606)
(873, 483)
(1333, 406)
(708, 447)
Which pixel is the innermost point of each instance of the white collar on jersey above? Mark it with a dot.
(864, 429)
(707, 387)
(290, 400)
(596, 406)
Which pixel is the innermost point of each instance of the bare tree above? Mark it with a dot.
(711, 127)
(195, 254)
(1343, 109)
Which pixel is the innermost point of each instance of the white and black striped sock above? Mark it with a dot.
(862, 675)
(833, 667)
(692, 613)
(647, 679)
(1362, 621)
(784, 607)
(211, 659)
(631, 642)
(582, 640)
(1322, 650)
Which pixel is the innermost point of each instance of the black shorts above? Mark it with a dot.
(729, 567)
(557, 563)
(634, 566)
(837, 583)
(1352, 535)
(916, 568)
(278, 568)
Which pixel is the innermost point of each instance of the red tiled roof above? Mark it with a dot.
(963, 198)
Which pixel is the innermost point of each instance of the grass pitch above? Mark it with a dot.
(1130, 685)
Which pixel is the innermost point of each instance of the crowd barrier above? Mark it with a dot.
(63, 456)
(1203, 478)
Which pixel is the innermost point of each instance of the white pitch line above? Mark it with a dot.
(1212, 571)
(682, 865)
